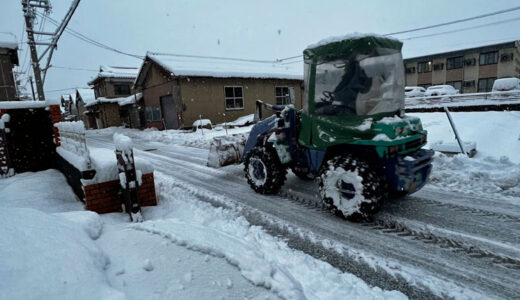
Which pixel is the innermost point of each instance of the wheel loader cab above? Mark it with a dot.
(347, 82)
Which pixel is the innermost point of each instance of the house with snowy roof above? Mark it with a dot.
(115, 102)
(68, 104)
(84, 97)
(8, 59)
(178, 90)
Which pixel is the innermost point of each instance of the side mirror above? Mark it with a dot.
(292, 95)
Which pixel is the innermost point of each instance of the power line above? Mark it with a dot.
(65, 89)
(76, 69)
(457, 21)
(91, 41)
(214, 57)
(435, 26)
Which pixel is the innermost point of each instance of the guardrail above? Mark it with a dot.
(485, 98)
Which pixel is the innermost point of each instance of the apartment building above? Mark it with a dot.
(469, 70)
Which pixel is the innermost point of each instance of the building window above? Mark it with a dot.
(121, 89)
(454, 63)
(153, 113)
(424, 67)
(489, 58)
(282, 95)
(234, 97)
(455, 84)
(485, 85)
(410, 70)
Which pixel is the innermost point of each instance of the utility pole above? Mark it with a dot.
(32, 87)
(29, 11)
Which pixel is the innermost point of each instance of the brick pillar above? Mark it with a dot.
(55, 118)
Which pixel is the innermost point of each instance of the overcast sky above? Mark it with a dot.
(265, 29)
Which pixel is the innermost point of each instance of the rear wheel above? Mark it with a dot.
(264, 171)
(351, 188)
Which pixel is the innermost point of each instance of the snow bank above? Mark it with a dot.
(88, 220)
(496, 133)
(74, 127)
(488, 177)
(177, 137)
(261, 258)
(47, 191)
(48, 257)
(242, 121)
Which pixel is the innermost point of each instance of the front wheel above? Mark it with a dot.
(351, 188)
(264, 171)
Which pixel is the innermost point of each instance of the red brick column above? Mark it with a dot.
(55, 118)
(104, 197)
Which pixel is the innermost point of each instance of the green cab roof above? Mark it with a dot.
(345, 46)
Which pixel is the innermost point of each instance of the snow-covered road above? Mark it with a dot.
(430, 244)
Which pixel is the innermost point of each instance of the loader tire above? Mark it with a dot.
(351, 188)
(264, 171)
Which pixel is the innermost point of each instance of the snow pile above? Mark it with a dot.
(72, 127)
(4, 119)
(105, 163)
(487, 177)
(48, 257)
(8, 40)
(206, 123)
(506, 84)
(123, 143)
(261, 258)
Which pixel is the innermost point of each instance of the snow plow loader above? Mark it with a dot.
(352, 133)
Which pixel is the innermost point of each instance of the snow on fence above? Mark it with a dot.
(73, 144)
(507, 97)
(5, 164)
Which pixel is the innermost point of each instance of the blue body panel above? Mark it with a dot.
(262, 127)
(409, 173)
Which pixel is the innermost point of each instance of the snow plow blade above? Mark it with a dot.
(226, 150)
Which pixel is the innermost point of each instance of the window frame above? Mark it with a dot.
(454, 66)
(452, 84)
(487, 84)
(234, 97)
(428, 65)
(151, 112)
(286, 99)
(486, 55)
(117, 89)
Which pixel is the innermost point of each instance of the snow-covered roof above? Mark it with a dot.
(354, 35)
(220, 68)
(8, 40)
(27, 104)
(121, 100)
(115, 72)
(87, 95)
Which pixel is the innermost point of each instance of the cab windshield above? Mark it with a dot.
(362, 85)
